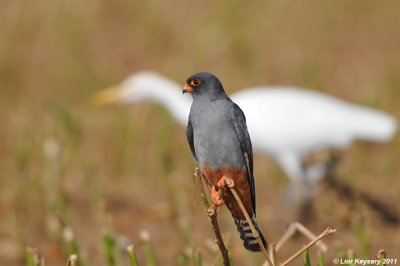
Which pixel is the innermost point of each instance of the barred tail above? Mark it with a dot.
(249, 241)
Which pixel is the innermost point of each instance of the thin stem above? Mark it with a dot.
(228, 183)
(272, 254)
(72, 260)
(302, 229)
(132, 255)
(326, 232)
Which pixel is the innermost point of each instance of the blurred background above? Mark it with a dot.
(71, 172)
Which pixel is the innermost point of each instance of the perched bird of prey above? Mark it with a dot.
(285, 123)
(219, 141)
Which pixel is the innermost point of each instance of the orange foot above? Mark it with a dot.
(216, 196)
(225, 181)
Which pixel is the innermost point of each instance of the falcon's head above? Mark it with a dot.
(203, 83)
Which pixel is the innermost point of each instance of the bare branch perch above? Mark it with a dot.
(212, 215)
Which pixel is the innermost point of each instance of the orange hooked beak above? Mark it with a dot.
(187, 89)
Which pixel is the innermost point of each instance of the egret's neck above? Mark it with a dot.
(169, 95)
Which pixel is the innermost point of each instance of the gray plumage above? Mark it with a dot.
(218, 138)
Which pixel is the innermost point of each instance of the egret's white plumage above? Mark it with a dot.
(290, 123)
(149, 86)
(286, 123)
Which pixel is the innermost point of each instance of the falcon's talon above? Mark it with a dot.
(216, 196)
(221, 182)
(225, 181)
(229, 182)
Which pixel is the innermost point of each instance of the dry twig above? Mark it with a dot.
(212, 215)
(296, 226)
(211, 212)
(326, 232)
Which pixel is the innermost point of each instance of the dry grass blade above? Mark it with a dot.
(228, 183)
(272, 254)
(296, 226)
(326, 232)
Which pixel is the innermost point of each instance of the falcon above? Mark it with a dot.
(220, 144)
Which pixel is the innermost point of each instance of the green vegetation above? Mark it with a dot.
(77, 179)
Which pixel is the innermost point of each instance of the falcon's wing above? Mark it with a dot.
(189, 135)
(239, 123)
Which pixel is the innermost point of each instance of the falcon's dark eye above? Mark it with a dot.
(195, 82)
